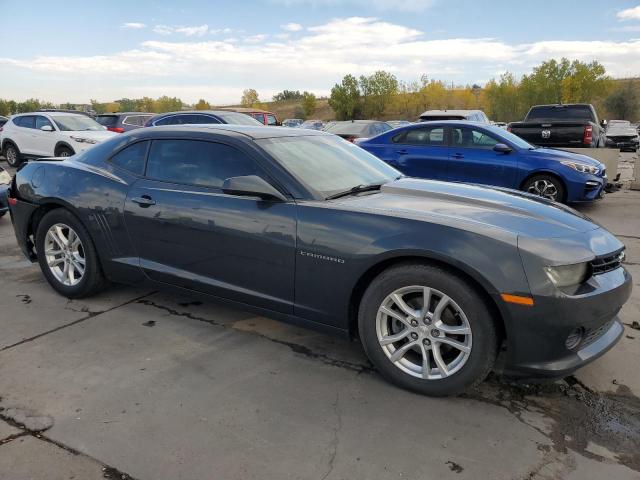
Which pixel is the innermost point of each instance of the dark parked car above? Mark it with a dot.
(358, 129)
(292, 122)
(313, 124)
(621, 134)
(459, 151)
(569, 125)
(201, 117)
(5, 180)
(435, 278)
(269, 119)
(123, 121)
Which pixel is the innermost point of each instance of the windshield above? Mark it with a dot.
(559, 112)
(75, 123)
(510, 137)
(234, 118)
(328, 164)
(348, 127)
(107, 120)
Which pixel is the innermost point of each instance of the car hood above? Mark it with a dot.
(472, 207)
(562, 155)
(98, 135)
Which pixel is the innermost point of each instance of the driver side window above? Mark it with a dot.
(472, 138)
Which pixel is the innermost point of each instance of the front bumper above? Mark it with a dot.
(536, 338)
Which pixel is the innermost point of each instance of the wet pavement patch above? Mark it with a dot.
(579, 417)
(26, 299)
(454, 467)
(150, 323)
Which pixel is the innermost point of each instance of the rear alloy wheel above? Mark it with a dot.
(427, 329)
(67, 256)
(12, 155)
(64, 152)
(545, 186)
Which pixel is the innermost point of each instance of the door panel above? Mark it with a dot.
(421, 152)
(43, 142)
(238, 248)
(473, 160)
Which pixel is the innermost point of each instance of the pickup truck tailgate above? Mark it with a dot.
(551, 134)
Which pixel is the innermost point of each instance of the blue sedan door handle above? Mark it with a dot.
(144, 201)
(457, 155)
(402, 152)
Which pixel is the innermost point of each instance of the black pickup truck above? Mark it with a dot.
(571, 125)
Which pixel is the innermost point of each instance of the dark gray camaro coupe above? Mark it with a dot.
(434, 278)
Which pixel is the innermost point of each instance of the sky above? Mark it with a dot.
(75, 51)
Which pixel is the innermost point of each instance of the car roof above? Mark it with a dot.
(194, 112)
(461, 123)
(53, 114)
(360, 121)
(111, 114)
(244, 110)
(255, 133)
(450, 112)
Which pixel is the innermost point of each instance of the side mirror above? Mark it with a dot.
(46, 128)
(251, 186)
(501, 148)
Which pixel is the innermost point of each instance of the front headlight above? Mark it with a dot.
(567, 275)
(84, 140)
(581, 167)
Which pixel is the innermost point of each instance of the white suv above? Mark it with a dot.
(50, 134)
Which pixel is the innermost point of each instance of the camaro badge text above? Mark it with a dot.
(321, 257)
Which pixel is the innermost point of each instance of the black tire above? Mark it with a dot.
(484, 338)
(534, 184)
(93, 279)
(63, 152)
(12, 155)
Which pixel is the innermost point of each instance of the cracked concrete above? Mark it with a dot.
(148, 385)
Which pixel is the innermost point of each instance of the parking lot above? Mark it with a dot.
(153, 385)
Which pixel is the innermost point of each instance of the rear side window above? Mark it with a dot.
(258, 116)
(204, 119)
(195, 162)
(428, 136)
(132, 157)
(28, 121)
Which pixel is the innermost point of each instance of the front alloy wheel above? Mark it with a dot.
(424, 332)
(428, 329)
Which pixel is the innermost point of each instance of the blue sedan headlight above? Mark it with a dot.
(582, 167)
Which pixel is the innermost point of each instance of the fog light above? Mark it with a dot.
(574, 338)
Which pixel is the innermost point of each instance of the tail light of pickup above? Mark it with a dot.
(588, 135)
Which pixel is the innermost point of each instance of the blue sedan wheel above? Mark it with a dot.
(545, 186)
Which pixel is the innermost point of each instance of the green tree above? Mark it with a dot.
(377, 91)
(29, 105)
(128, 105)
(345, 98)
(308, 103)
(285, 95)
(585, 82)
(5, 108)
(249, 98)
(202, 105)
(624, 102)
(504, 101)
(146, 104)
(98, 107)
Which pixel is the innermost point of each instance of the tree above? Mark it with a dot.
(128, 105)
(167, 104)
(112, 107)
(345, 98)
(585, 82)
(202, 105)
(146, 104)
(285, 95)
(377, 90)
(98, 107)
(308, 103)
(504, 100)
(5, 108)
(624, 102)
(249, 98)
(29, 105)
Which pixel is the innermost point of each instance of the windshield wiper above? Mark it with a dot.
(356, 189)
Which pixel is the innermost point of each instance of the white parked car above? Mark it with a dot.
(49, 134)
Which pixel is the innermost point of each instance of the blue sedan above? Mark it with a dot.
(462, 151)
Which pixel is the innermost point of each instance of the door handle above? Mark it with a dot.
(457, 155)
(144, 201)
(402, 152)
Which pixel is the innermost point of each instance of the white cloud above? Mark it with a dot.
(133, 26)
(189, 31)
(629, 14)
(317, 58)
(291, 27)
